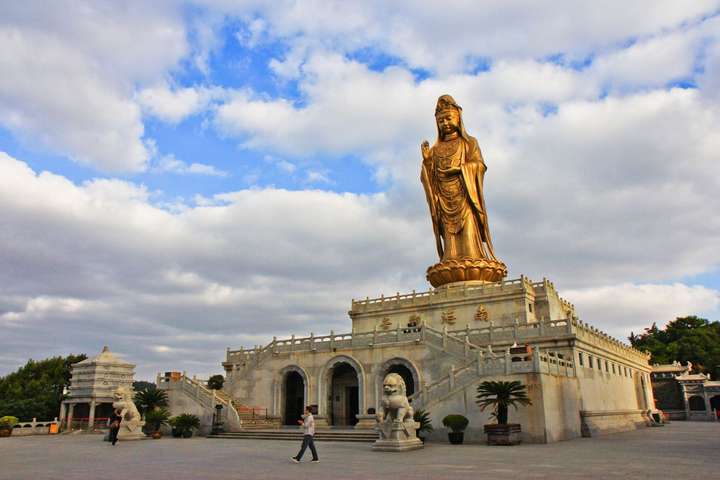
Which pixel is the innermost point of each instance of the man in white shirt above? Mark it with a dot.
(308, 424)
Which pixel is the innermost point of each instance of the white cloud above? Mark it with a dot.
(626, 307)
(175, 105)
(170, 164)
(69, 74)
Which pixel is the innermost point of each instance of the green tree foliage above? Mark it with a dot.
(216, 382)
(500, 396)
(150, 399)
(36, 389)
(685, 339)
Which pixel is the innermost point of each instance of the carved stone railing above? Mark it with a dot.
(457, 343)
(206, 397)
(491, 364)
(429, 297)
(35, 428)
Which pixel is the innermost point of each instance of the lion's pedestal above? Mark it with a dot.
(395, 424)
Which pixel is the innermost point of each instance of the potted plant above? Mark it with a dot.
(457, 424)
(500, 396)
(184, 425)
(154, 419)
(6, 425)
(423, 418)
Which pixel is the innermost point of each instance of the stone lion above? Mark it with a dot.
(131, 420)
(394, 406)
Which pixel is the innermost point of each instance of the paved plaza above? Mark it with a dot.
(676, 451)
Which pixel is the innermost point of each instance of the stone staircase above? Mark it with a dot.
(295, 435)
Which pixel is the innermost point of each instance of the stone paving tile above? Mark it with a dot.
(681, 450)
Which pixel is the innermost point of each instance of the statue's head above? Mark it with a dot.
(121, 393)
(448, 116)
(393, 385)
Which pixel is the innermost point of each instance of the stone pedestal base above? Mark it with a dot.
(397, 437)
(466, 269)
(397, 445)
(365, 422)
(321, 422)
(128, 435)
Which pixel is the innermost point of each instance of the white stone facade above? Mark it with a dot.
(444, 343)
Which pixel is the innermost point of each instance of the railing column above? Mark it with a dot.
(536, 359)
(444, 337)
(451, 382)
(542, 326)
(569, 325)
(481, 363)
(332, 340)
(490, 332)
(508, 362)
(312, 342)
(274, 344)
(292, 343)
(375, 335)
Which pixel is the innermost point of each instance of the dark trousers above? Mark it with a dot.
(307, 442)
(113, 435)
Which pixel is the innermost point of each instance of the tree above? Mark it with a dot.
(500, 396)
(216, 382)
(692, 339)
(150, 399)
(35, 390)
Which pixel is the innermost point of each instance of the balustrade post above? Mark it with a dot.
(481, 363)
(274, 344)
(467, 346)
(451, 382)
(375, 335)
(292, 343)
(312, 342)
(490, 332)
(444, 336)
(536, 359)
(515, 329)
(508, 362)
(542, 326)
(332, 340)
(569, 325)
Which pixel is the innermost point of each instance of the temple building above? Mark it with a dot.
(90, 396)
(472, 326)
(683, 395)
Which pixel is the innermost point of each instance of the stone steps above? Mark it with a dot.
(362, 436)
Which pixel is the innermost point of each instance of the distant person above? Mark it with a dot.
(308, 424)
(115, 419)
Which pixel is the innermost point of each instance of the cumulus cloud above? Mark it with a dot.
(98, 263)
(601, 174)
(68, 78)
(626, 307)
(170, 164)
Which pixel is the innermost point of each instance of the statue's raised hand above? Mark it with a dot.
(425, 149)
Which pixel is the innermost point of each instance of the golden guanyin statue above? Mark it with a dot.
(452, 175)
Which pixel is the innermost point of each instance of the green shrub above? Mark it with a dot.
(423, 418)
(8, 422)
(154, 419)
(456, 423)
(184, 424)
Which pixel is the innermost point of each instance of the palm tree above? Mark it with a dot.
(500, 396)
(151, 399)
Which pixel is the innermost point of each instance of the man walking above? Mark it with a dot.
(308, 424)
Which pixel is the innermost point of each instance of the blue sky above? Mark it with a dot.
(198, 175)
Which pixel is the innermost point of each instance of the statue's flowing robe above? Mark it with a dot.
(454, 191)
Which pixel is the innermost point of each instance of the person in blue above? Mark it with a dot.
(308, 424)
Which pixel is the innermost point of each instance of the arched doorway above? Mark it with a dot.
(715, 405)
(344, 393)
(294, 388)
(696, 403)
